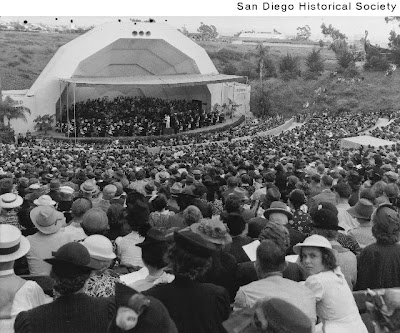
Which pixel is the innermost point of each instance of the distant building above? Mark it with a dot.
(252, 36)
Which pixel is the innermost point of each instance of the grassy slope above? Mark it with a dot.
(24, 55)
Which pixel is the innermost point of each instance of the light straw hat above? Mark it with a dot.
(313, 241)
(12, 244)
(10, 200)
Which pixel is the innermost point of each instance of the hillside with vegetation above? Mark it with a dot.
(24, 55)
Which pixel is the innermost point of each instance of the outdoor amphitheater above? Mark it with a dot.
(152, 198)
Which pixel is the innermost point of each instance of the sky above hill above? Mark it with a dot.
(353, 27)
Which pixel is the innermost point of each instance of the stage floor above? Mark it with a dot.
(54, 134)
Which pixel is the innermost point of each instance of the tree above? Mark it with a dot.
(332, 32)
(44, 123)
(230, 69)
(260, 101)
(394, 44)
(303, 33)
(345, 59)
(339, 43)
(208, 32)
(10, 109)
(314, 61)
(289, 67)
(261, 54)
(184, 31)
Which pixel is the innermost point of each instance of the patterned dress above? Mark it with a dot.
(102, 285)
(301, 222)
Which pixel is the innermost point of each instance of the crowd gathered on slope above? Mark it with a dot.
(253, 234)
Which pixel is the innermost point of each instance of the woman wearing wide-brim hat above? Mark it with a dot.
(16, 294)
(224, 265)
(336, 306)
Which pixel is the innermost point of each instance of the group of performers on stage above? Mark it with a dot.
(134, 116)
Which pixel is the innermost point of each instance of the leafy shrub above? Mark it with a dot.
(344, 58)
(7, 134)
(376, 63)
(25, 50)
(289, 67)
(230, 69)
(314, 61)
(13, 63)
(308, 75)
(351, 71)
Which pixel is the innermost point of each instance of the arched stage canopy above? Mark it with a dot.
(178, 80)
(126, 58)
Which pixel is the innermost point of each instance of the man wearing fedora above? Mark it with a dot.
(362, 212)
(16, 294)
(54, 192)
(280, 213)
(50, 236)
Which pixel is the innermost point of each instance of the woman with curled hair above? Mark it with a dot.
(194, 306)
(160, 217)
(336, 307)
(379, 263)
(191, 215)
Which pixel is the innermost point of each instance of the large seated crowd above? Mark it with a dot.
(134, 116)
(390, 132)
(258, 234)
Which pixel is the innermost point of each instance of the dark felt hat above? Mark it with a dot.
(324, 205)
(73, 254)
(326, 219)
(297, 197)
(153, 237)
(194, 243)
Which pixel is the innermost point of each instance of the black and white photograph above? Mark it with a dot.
(234, 172)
